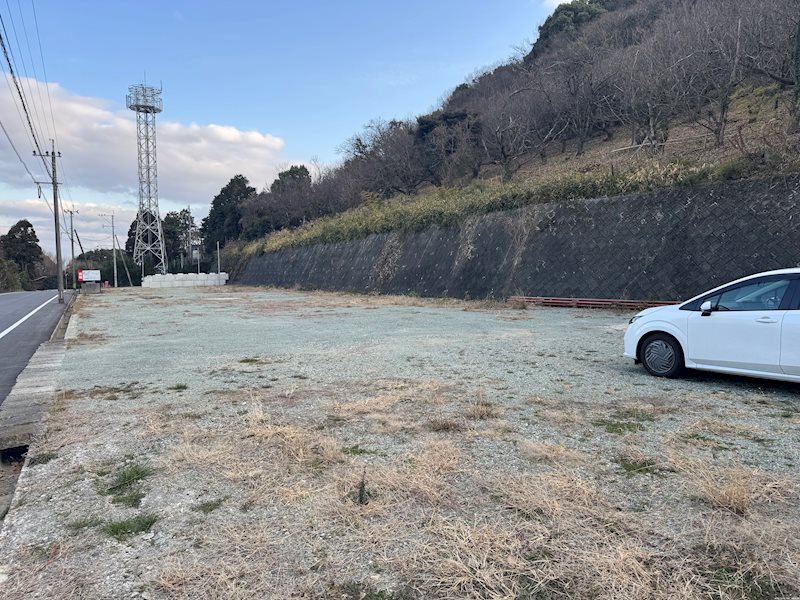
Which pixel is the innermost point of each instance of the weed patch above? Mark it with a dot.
(363, 591)
(128, 476)
(41, 459)
(85, 523)
(209, 506)
(127, 527)
(443, 424)
(132, 499)
(618, 427)
(357, 450)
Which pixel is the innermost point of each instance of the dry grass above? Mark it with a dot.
(723, 428)
(235, 564)
(736, 489)
(478, 560)
(559, 412)
(87, 337)
(71, 583)
(445, 424)
(481, 408)
(555, 454)
(297, 444)
(551, 494)
(424, 477)
(564, 542)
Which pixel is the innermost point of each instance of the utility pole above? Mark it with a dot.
(56, 212)
(189, 238)
(218, 269)
(113, 244)
(72, 244)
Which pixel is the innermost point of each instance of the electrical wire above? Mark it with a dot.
(16, 105)
(14, 148)
(64, 176)
(25, 80)
(25, 103)
(35, 74)
(44, 71)
(20, 93)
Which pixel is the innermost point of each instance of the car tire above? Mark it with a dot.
(662, 355)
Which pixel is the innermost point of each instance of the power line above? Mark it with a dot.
(35, 74)
(21, 94)
(16, 105)
(64, 176)
(9, 55)
(29, 98)
(52, 119)
(25, 166)
(46, 81)
(13, 147)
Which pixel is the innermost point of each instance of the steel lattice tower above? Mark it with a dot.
(146, 103)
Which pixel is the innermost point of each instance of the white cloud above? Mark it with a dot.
(553, 3)
(88, 223)
(98, 143)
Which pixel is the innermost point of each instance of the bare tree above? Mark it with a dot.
(517, 128)
(388, 159)
(711, 73)
(773, 48)
(583, 75)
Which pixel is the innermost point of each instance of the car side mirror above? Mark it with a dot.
(706, 308)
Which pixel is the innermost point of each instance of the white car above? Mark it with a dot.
(747, 327)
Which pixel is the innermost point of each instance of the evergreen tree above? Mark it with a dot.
(21, 245)
(222, 223)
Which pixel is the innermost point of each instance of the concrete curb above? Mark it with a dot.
(23, 414)
(61, 326)
(23, 419)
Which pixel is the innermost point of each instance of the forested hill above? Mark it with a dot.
(614, 95)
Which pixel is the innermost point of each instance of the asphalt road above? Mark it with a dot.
(18, 343)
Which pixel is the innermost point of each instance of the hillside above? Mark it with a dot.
(615, 96)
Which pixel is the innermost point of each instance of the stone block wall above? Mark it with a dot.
(663, 245)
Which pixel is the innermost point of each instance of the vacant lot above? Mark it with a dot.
(245, 443)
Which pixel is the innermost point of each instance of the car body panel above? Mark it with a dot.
(790, 343)
(749, 340)
(669, 320)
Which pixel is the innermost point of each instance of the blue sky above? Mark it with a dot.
(305, 75)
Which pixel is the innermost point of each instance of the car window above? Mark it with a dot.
(795, 304)
(759, 295)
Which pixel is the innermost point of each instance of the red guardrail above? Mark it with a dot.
(590, 302)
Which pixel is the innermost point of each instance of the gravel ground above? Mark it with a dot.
(249, 443)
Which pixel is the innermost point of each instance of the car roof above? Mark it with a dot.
(789, 271)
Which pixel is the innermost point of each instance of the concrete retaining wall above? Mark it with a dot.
(184, 280)
(663, 245)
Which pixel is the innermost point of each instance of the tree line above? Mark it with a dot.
(598, 68)
(23, 264)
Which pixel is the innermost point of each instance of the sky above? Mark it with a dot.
(249, 87)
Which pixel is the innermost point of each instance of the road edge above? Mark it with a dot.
(61, 327)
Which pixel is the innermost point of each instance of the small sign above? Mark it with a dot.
(88, 275)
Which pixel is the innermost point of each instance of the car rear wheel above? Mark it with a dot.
(661, 355)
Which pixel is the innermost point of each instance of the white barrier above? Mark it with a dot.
(184, 280)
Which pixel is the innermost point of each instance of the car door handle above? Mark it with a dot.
(766, 320)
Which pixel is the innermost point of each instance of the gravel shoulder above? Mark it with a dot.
(254, 443)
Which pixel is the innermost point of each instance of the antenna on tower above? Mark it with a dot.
(146, 103)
